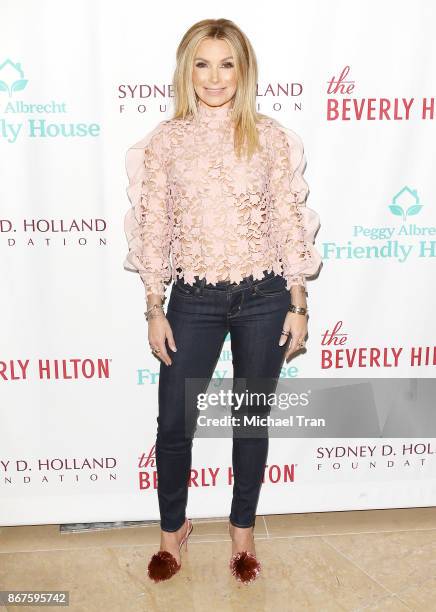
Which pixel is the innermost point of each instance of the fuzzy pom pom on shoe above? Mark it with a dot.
(162, 566)
(244, 566)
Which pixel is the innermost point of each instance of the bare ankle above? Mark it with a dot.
(243, 532)
(174, 535)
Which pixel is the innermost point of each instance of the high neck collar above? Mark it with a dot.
(214, 112)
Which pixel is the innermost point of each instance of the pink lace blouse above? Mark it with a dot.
(196, 206)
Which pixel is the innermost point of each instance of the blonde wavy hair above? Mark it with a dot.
(244, 114)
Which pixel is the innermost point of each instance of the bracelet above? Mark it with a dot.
(148, 312)
(298, 309)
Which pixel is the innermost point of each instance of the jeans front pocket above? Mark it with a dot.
(182, 289)
(271, 287)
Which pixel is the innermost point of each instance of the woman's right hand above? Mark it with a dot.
(160, 330)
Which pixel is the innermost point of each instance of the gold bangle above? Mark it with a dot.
(149, 311)
(298, 309)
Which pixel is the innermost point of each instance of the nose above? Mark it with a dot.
(214, 75)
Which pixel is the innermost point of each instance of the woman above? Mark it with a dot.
(221, 187)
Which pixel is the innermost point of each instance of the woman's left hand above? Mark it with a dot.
(296, 324)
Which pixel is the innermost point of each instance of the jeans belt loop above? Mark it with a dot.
(201, 287)
(250, 283)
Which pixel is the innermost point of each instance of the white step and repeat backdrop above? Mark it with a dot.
(79, 83)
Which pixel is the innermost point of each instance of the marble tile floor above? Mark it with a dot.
(325, 561)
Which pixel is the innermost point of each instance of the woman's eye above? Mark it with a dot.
(226, 64)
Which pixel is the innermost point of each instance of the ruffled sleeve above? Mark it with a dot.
(294, 223)
(146, 223)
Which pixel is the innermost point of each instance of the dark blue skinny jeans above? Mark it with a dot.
(201, 315)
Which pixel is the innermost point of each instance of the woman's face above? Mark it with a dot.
(213, 74)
